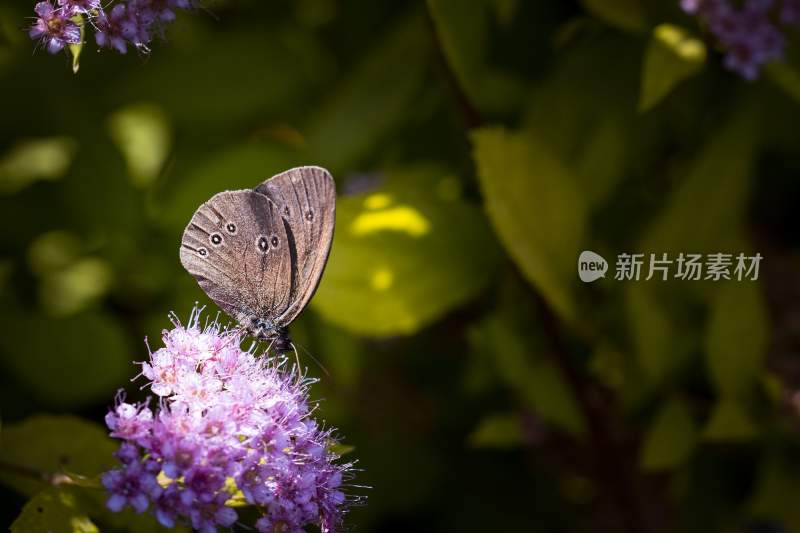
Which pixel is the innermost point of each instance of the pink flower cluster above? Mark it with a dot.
(231, 429)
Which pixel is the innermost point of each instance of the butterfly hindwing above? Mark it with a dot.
(306, 200)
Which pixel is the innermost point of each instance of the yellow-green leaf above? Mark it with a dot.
(53, 444)
(505, 10)
(55, 510)
(143, 135)
(536, 209)
(401, 259)
(371, 99)
(659, 349)
(76, 287)
(33, 160)
(627, 15)
(671, 437)
(730, 421)
(736, 340)
(672, 56)
(775, 492)
(497, 431)
(785, 77)
(56, 371)
(463, 32)
(585, 115)
(54, 251)
(212, 65)
(713, 191)
(341, 449)
(241, 166)
(76, 509)
(528, 371)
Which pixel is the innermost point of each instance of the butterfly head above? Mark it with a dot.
(265, 330)
(258, 327)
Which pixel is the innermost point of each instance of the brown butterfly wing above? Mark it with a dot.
(237, 248)
(306, 200)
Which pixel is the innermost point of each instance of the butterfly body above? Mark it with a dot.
(259, 253)
(265, 330)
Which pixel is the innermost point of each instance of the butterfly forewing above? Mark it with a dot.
(306, 199)
(237, 248)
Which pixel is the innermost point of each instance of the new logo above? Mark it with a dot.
(591, 266)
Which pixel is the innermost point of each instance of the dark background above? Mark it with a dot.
(478, 147)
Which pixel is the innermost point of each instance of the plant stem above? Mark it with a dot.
(50, 478)
(611, 466)
(612, 469)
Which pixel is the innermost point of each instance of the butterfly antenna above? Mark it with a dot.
(300, 369)
(269, 348)
(320, 365)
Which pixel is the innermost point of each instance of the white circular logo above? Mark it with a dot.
(591, 266)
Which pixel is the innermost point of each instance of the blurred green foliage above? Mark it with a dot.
(478, 147)
(53, 510)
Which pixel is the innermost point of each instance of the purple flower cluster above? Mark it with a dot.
(54, 27)
(749, 34)
(231, 429)
(134, 22)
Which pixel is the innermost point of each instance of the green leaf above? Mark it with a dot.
(671, 437)
(627, 15)
(143, 135)
(68, 283)
(528, 371)
(54, 510)
(7, 267)
(715, 187)
(57, 371)
(657, 344)
(585, 115)
(73, 509)
(608, 365)
(401, 259)
(785, 77)
(9, 29)
(736, 341)
(497, 431)
(54, 444)
(603, 160)
(211, 65)
(316, 13)
(536, 209)
(113, 210)
(505, 10)
(374, 98)
(463, 31)
(730, 422)
(341, 449)
(76, 287)
(237, 167)
(34, 160)
(775, 494)
(342, 351)
(54, 251)
(672, 56)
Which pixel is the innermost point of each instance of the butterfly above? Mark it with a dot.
(259, 253)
